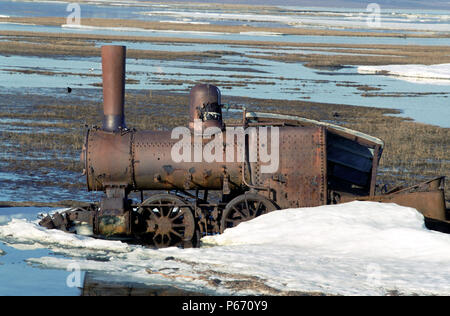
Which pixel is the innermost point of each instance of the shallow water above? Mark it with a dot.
(19, 278)
(331, 18)
(274, 17)
(227, 36)
(265, 79)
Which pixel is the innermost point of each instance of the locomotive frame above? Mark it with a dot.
(319, 163)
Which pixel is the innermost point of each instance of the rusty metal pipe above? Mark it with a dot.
(113, 72)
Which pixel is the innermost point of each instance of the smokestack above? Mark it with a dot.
(113, 72)
(205, 105)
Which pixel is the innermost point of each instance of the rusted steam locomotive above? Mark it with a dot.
(317, 164)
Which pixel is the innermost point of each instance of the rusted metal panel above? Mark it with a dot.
(143, 160)
(351, 167)
(300, 180)
(155, 169)
(431, 203)
(427, 197)
(108, 159)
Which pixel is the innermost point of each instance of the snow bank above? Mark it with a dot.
(358, 228)
(362, 248)
(434, 74)
(358, 248)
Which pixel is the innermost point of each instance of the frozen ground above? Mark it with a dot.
(358, 248)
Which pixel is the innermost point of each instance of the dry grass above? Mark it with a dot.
(390, 55)
(81, 39)
(49, 44)
(151, 25)
(56, 49)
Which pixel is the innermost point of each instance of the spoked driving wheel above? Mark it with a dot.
(244, 208)
(167, 220)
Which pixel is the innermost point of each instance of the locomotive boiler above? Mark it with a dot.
(210, 176)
